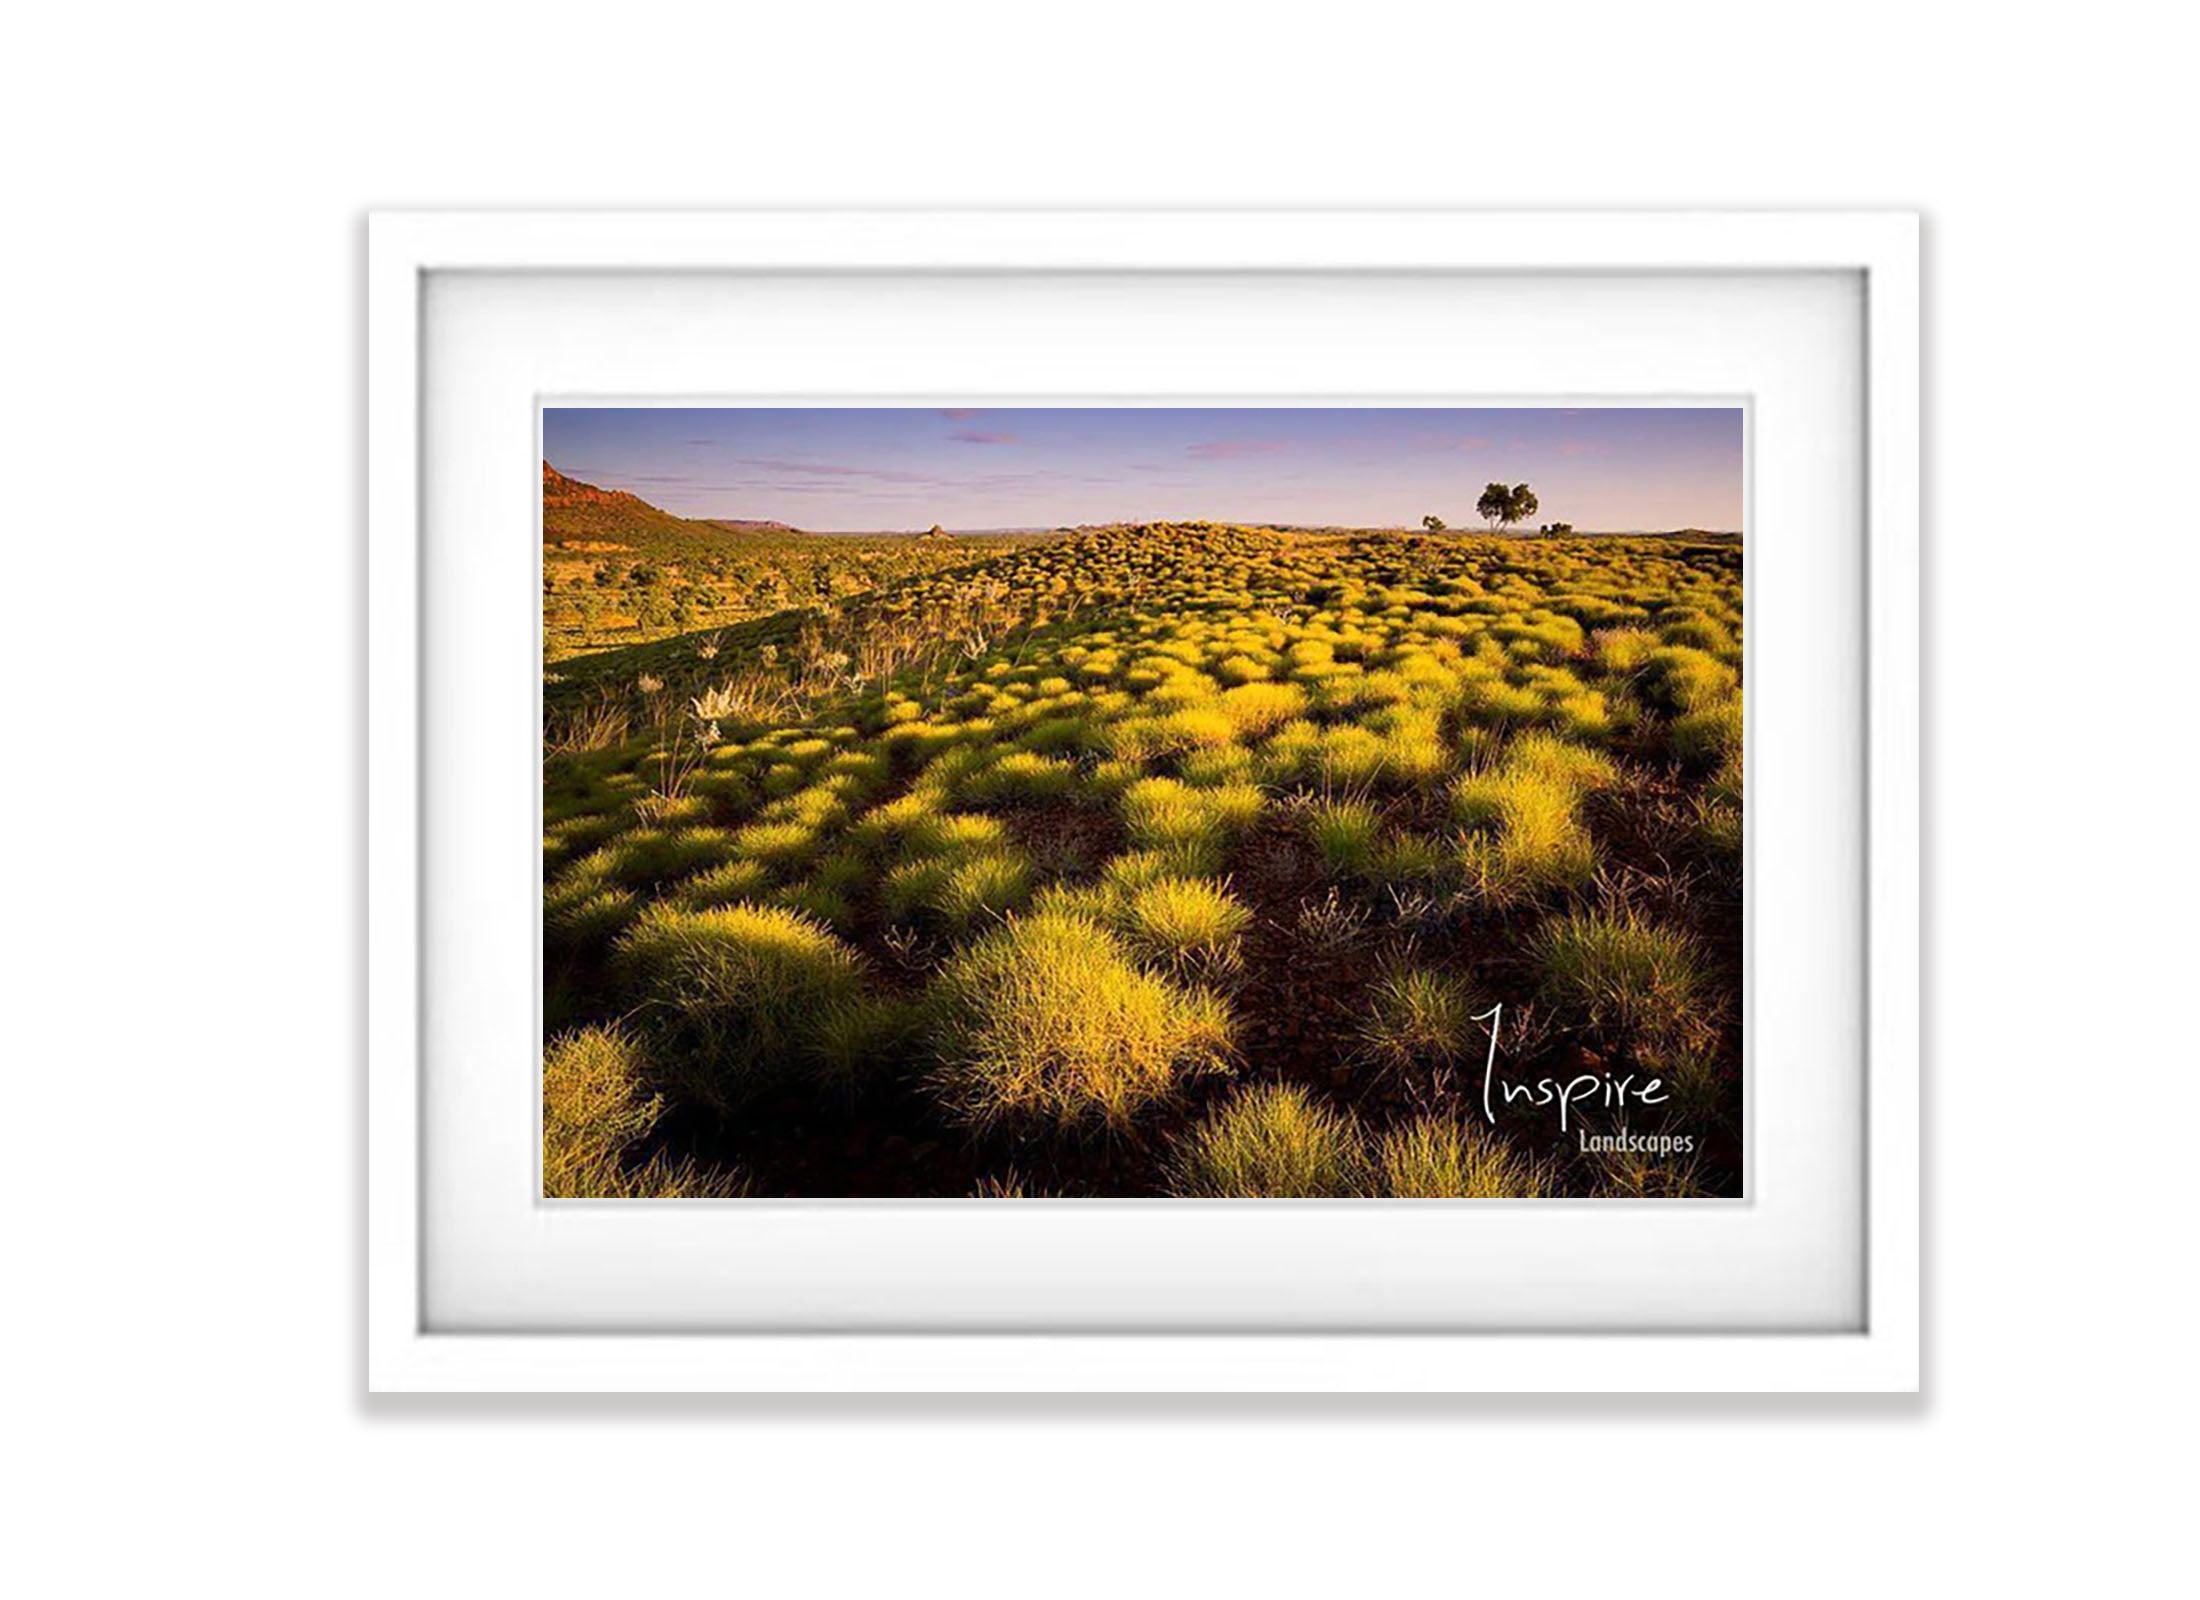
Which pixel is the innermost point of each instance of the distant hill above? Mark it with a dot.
(747, 525)
(581, 515)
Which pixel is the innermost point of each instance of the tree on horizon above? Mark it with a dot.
(1502, 505)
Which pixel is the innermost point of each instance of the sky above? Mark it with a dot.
(877, 469)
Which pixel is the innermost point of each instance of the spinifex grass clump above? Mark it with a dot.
(583, 907)
(1329, 925)
(597, 1109)
(1413, 745)
(954, 869)
(1522, 811)
(729, 885)
(1710, 734)
(1620, 651)
(736, 992)
(1719, 830)
(1677, 678)
(574, 836)
(1411, 863)
(777, 844)
(860, 1040)
(1021, 776)
(1191, 826)
(1547, 755)
(1419, 1018)
(1046, 1022)
(649, 856)
(957, 888)
(1630, 982)
(1271, 1141)
(1634, 1175)
(1346, 834)
(1216, 769)
(1432, 1158)
(932, 835)
(1255, 708)
(1187, 924)
(1696, 630)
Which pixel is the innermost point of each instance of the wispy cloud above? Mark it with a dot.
(827, 469)
(960, 413)
(979, 436)
(1233, 449)
(1472, 441)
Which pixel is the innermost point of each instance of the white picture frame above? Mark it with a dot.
(408, 1351)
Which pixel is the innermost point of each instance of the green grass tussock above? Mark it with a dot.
(1271, 1142)
(1187, 924)
(1708, 736)
(1256, 708)
(1418, 1017)
(858, 1040)
(1522, 811)
(1631, 982)
(1678, 679)
(1433, 1158)
(1346, 834)
(583, 909)
(737, 990)
(1022, 776)
(597, 1111)
(1191, 826)
(650, 856)
(1046, 1021)
(728, 885)
(958, 889)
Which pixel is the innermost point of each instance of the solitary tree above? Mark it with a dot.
(1496, 501)
(1502, 506)
(1434, 524)
(1523, 504)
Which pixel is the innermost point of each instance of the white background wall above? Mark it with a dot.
(181, 525)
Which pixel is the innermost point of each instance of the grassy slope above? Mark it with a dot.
(1235, 754)
(573, 511)
(581, 514)
(598, 542)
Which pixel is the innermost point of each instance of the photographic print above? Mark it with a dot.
(1171, 803)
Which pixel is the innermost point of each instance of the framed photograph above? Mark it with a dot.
(1143, 801)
